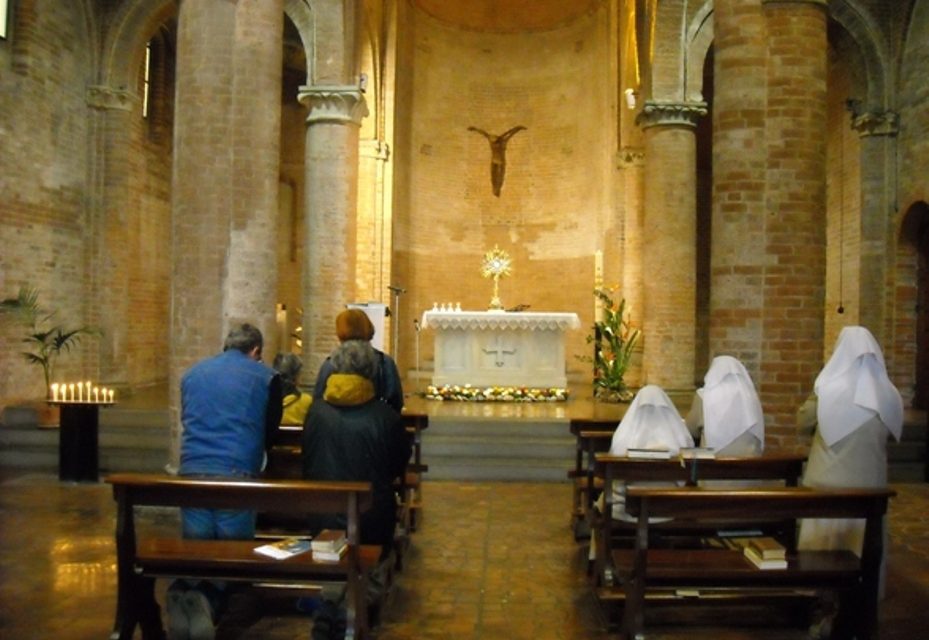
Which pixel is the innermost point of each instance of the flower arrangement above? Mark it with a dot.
(467, 393)
(496, 264)
(614, 339)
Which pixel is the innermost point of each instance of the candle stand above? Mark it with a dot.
(77, 441)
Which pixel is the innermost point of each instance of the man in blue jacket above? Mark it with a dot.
(231, 404)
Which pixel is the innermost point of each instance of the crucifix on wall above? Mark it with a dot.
(498, 154)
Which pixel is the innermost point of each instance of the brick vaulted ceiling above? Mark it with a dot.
(507, 16)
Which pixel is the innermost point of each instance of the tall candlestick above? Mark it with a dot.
(598, 268)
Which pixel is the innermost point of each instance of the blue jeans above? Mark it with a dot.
(214, 524)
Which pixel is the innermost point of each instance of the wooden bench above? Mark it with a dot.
(643, 570)
(782, 469)
(411, 488)
(590, 436)
(141, 559)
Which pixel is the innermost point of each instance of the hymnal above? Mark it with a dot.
(700, 453)
(761, 563)
(330, 556)
(284, 548)
(768, 548)
(651, 454)
(328, 540)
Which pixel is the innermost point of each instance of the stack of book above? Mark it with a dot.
(329, 545)
(766, 553)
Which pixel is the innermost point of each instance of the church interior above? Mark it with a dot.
(747, 176)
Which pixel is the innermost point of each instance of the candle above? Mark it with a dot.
(96, 394)
(71, 391)
(112, 393)
(55, 391)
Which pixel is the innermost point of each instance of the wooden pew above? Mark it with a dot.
(590, 436)
(411, 487)
(783, 469)
(643, 569)
(143, 558)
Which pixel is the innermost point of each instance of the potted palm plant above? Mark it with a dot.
(46, 339)
(613, 339)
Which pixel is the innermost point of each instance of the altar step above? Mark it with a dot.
(497, 449)
(129, 440)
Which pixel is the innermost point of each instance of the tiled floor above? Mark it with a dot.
(490, 561)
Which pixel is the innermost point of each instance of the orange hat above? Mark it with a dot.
(353, 324)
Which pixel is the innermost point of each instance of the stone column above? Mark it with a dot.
(737, 260)
(333, 123)
(225, 179)
(878, 132)
(795, 203)
(668, 239)
(115, 110)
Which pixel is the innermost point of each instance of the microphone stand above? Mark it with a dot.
(416, 328)
(395, 323)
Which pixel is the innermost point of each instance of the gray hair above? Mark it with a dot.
(288, 365)
(243, 337)
(355, 356)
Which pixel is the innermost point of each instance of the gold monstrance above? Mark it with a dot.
(496, 264)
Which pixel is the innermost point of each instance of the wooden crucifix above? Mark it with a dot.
(498, 154)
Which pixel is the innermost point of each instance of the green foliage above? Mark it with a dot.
(46, 343)
(614, 340)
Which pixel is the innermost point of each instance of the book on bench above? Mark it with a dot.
(649, 454)
(285, 548)
(767, 548)
(699, 453)
(330, 556)
(762, 563)
(329, 540)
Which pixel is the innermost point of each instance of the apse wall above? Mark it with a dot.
(556, 196)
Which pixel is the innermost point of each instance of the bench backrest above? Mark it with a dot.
(287, 496)
(760, 503)
(785, 467)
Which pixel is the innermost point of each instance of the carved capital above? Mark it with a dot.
(377, 149)
(661, 113)
(105, 98)
(630, 157)
(333, 104)
(874, 123)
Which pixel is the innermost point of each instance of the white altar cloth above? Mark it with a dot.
(496, 348)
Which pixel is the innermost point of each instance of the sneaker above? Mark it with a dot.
(177, 615)
(199, 616)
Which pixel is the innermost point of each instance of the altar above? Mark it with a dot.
(498, 348)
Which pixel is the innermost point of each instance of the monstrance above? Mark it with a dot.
(496, 264)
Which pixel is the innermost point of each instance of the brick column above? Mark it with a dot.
(251, 280)
(114, 113)
(225, 179)
(737, 260)
(795, 204)
(878, 132)
(333, 124)
(669, 245)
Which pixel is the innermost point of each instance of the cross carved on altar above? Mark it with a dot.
(498, 351)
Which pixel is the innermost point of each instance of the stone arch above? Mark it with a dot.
(873, 49)
(302, 15)
(124, 46)
(699, 39)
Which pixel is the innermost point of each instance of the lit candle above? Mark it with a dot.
(96, 394)
(112, 394)
(88, 390)
(55, 392)
(71, 390)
